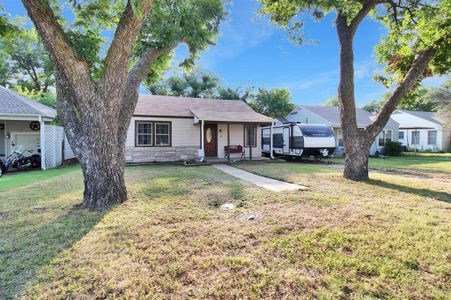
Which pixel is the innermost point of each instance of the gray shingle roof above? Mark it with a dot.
(427, 115)
(12, 103)
(204, 109)
(332, 114)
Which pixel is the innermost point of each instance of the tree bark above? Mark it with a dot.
(103, 171)
(356, 160)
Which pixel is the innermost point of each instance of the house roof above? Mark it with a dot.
(427, 115)
(12, 103)
(203, 109)
(332, 114)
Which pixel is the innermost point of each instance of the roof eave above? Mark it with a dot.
(23, 117)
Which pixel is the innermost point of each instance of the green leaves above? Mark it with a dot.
(274, 103)
(25, 61)
(414, 27)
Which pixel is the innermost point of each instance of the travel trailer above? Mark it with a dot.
(299, 140)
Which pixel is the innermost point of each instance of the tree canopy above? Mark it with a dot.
(332, 101)
(26, 62)
(274, 103)
(441, 98)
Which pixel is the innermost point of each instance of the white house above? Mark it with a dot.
(422, 130)
(26, 124)
(330, 115)
(165, 128)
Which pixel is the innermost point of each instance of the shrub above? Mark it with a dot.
(393, 148)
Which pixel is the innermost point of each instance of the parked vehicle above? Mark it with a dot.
(19, 160)
(299, 140)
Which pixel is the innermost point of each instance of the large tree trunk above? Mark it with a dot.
(103, 171)
(357, 151)
(98, 142)
(356, 160)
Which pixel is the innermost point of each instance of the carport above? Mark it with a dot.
(26, 125)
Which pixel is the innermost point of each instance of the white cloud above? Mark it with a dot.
(365, 69)
(311, 82)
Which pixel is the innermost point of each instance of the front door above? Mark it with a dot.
(211, 139)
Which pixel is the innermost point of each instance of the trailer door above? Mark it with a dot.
(286, 140)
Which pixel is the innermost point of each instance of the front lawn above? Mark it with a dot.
(386, 238)
(435, 162)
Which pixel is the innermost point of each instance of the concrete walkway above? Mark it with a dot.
(264, 182)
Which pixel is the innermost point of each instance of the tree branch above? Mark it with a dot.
(363, 12)
(118, 56)
(64, 57)
(131, 94)
(414, 74)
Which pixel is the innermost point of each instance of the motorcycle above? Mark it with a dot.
(17, 159)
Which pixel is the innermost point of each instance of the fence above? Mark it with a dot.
(56, 148)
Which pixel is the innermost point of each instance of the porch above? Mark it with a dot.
(226, 141)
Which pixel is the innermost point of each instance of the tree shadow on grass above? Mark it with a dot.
(440, 196)
(29, 250)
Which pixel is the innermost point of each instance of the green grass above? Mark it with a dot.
(385, 238)
(435, 162)
(15, 179)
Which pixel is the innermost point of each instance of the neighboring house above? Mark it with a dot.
(422, 130)
(330, 115)
(25, 125)
(165, 128)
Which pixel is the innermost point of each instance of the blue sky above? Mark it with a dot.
(253, 52)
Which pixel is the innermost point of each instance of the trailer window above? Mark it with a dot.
(316, 131)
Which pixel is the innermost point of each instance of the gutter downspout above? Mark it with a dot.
(42, 141)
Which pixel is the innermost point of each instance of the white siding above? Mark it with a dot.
(443, 138)
(186, 141)
(184, 132)
(410, 121)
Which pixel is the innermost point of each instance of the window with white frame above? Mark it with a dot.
(143, 130)
(401, 135)
(415, 137)
(432, 137)
(388, 136)
(250, 135)
(381, 139)
(162, 134)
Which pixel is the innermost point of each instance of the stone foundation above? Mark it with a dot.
(160, 154)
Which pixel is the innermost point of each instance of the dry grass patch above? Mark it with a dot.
(340, 239)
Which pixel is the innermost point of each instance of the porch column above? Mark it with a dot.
(202, 137)
(250, 142)
(42, 141)
(228, 141)
(271, 154)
